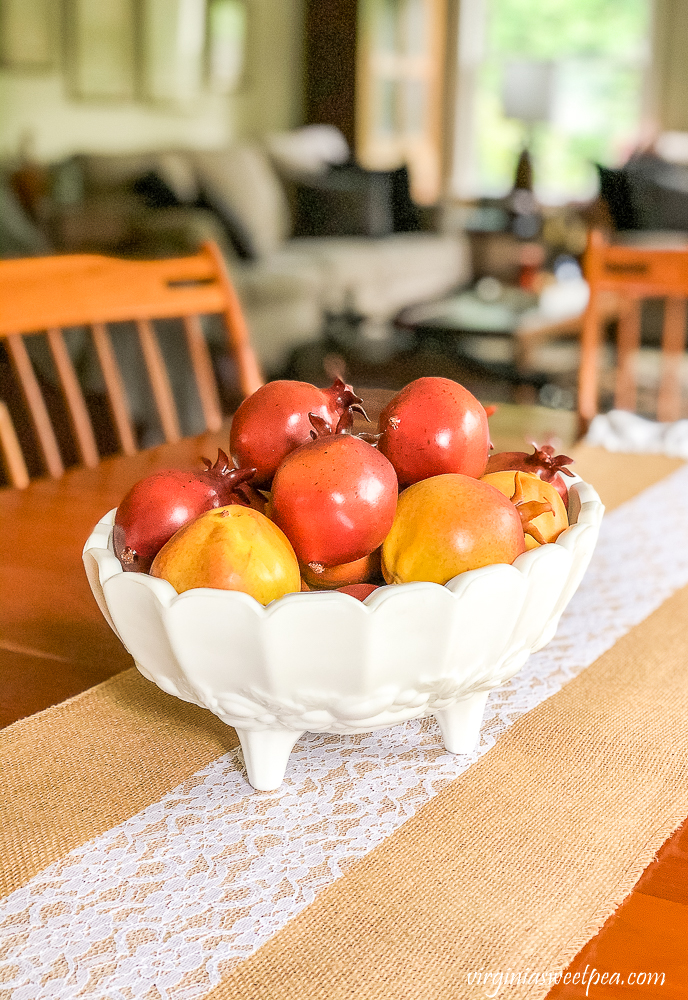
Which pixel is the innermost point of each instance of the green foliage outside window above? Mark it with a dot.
(600, 47)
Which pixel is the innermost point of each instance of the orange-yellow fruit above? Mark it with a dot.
(527, 489)
(447, 525)
(230, 548)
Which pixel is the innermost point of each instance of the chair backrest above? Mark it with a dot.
(47, 294)
(634, 273)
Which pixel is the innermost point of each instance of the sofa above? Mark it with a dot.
(164, 203)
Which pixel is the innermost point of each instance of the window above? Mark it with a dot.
(597, 51)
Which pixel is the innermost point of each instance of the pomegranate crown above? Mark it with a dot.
(342, 397)
(545, 459)
(225, 470)
(321, 427)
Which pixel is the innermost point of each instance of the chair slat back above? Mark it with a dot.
(45, 295)
(114, 388)
(36, 404)
(76, 405)
(634, 273)
(10, 451)
(203, 370)
(160, 383)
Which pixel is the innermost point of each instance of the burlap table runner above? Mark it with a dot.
(513, 865)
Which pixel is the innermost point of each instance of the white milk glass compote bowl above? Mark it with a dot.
(326, 662)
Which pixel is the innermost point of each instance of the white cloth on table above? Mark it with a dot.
(620, 430)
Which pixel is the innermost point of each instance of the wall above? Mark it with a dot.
(670, 65)
(270, 99)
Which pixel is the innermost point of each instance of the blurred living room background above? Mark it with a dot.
(399, 187)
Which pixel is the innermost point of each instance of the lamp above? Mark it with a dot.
(527, 94)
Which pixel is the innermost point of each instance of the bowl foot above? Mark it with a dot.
(266, 755)
(460, 723)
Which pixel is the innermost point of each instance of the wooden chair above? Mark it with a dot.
(634, 273)
(47, 294)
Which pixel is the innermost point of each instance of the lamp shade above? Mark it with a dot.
(528, 89)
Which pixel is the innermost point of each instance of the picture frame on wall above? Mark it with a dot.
(101, 38)
(29, 31)
(173, 45)
(227, 45)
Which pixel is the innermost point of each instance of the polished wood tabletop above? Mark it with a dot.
(54, 643)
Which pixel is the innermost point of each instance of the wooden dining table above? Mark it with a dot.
(55, 644)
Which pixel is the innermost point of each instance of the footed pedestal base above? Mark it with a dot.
(266, 755)
(460, 723)
(266, 751)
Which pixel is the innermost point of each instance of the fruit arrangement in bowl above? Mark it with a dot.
(327, 580)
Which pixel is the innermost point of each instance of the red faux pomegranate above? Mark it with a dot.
(274, 421)
(543, 463)
(157, 506)
(432, 427)
(334, 499)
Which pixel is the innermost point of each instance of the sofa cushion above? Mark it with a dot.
(380, 277)
(240, 183)
(176, 231)
(277, 279)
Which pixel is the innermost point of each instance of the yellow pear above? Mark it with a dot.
(230, 548)
(447, 525)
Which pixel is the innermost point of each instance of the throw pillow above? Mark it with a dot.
(404, 210)
(241, 186)
(646, 194)
(167, 187)
(154, 191)
(19, 236)
(236, 232)
(345, 201)
(615, 190)
(308, 150)
(659, 192)
(351, 201)
(177, 171)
